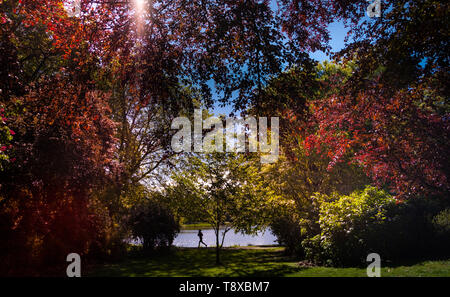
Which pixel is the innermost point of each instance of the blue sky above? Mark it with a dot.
(337, 34)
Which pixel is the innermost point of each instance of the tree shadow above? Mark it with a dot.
(201, 262)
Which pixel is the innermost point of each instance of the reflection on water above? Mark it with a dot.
(189, 238)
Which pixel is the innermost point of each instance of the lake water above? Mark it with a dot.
(189, 238)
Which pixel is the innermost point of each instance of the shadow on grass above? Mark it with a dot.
(201, 262)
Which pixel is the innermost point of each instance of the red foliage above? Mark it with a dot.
(396, 139)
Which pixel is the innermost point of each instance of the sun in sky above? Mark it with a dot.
(139, 6)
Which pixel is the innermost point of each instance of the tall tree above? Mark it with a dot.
(62, 143)
(392, 109)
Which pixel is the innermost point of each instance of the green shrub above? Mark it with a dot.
(314, 251)
(441, 222)
(154, 225)
(441, 226)
(288, 231)
(370, 221)
(348, 224)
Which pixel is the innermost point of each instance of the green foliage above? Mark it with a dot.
(296, 178)
(442, 222)
(352, 226)
(288, 231)
(221, 188)
(154, 225)
(347, 224)
(343, 211)
(5, 137)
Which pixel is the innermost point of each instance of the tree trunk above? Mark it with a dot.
(217, 247)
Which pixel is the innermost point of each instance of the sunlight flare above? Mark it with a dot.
(139, 6)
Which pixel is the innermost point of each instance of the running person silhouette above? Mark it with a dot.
(200, 236)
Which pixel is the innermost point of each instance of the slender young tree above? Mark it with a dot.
(224, 190)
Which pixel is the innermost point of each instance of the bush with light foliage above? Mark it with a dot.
(371, 221)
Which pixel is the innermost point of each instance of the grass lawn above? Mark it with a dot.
(428, 268)
(245, 261)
